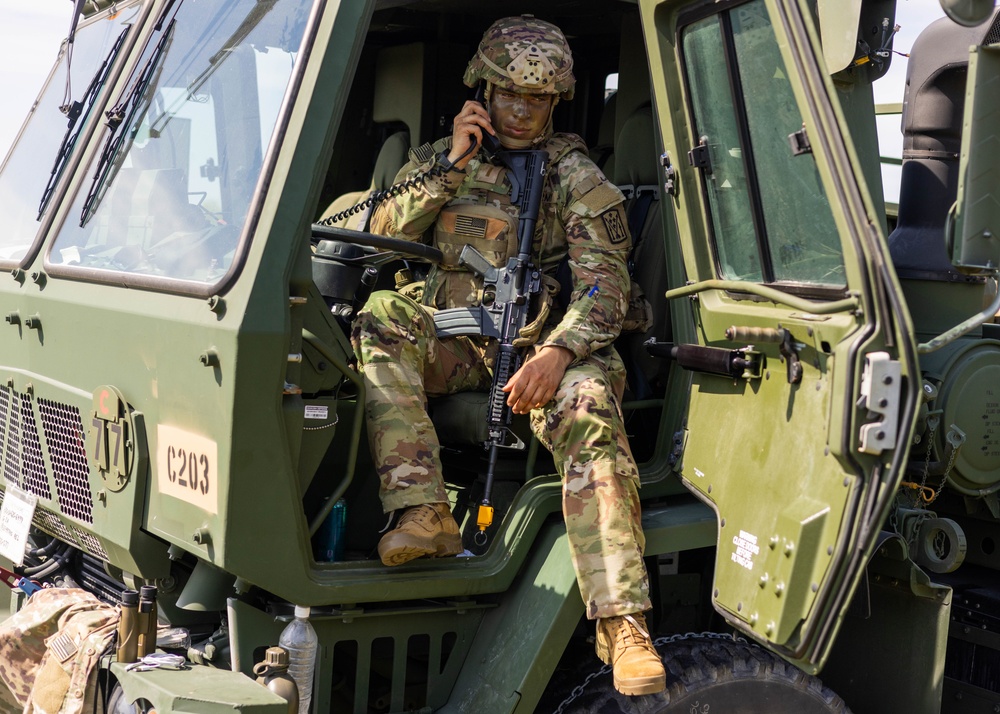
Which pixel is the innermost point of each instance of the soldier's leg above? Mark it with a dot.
(402, 362)
(584, 429)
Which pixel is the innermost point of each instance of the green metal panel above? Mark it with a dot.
(198, 689)
(521, 641)
(899, 615)
(976, 232)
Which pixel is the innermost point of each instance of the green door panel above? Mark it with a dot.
(800, 456)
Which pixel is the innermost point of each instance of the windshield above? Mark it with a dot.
(170, 192)
(48, 138)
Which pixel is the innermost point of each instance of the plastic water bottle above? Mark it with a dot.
(328, 543)
(300, 641)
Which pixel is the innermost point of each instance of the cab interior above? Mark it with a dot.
(406, 90)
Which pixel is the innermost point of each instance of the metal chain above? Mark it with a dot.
(325, 426)
(918, 499)
(579, 689)
(933, 424)
(944, 477)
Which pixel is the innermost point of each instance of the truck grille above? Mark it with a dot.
(28, 466)
(63, 431)
(34, 479)
(23, 464)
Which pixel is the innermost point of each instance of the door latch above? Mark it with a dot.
(736, 364)
(880, 393)
(788, 347)
(799, 141)
(699, 156)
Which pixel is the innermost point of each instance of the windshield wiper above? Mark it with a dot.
(122, 115)
(76, 110)
(249, 24)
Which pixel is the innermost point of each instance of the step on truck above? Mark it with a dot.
(815, 408)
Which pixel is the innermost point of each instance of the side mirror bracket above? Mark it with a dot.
(973, 231)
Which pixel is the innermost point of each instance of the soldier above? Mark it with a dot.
(572, 381)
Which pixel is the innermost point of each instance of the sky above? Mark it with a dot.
(32, 31)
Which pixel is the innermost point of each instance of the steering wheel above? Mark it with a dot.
(394, 245)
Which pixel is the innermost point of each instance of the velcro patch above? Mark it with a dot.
(613, 223)
(601, 197)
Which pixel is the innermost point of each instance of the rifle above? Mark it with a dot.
(503, 311)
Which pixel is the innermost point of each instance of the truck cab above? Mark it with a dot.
(810, 403)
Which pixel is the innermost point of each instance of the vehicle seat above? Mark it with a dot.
(637, 175)
(603, 154)
(391, 158)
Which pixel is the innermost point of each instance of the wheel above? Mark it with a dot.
(394, 245)
(707, 674)
(117, 704)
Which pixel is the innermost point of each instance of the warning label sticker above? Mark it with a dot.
(15, 522)
(745, 549)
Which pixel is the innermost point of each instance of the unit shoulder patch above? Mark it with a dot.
(615, 226)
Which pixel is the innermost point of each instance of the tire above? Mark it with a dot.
(709, 674)
(117, 704)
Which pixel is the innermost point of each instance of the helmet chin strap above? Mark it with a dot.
(509, 142)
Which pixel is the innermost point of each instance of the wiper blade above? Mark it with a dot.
(122, 115)
(78, 109)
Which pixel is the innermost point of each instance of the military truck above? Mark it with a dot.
(815, 409)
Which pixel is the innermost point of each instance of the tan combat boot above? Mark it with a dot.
(623, 642)
(427, 530)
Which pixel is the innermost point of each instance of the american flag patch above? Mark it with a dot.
(63, 646)
(470, 226)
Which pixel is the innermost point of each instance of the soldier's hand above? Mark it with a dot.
(470, 123)
(536, 382)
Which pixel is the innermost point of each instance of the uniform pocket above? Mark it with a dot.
(490, 230)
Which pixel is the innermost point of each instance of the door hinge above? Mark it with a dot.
(699, 156)
(669, 174)
(880, 394)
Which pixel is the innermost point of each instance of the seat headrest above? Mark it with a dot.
(635, 150)
(391, 158)
(606, 127)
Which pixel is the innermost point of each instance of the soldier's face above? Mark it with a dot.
(519, 116)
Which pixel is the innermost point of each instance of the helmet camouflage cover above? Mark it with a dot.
(524, 54)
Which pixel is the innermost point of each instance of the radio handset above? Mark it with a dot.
(491, 144)
(491, 147)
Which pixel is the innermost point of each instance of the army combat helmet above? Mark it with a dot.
(525, 55)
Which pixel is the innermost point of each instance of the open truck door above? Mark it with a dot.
(805, 377)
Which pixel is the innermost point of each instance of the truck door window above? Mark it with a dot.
(174, 182)
(48, 139)
(770, 216)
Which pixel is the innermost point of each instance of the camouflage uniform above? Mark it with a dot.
(49, 652)
(403, 361)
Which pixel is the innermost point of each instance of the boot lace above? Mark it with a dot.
(629, 633)
(388, 522)
(423, 515)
